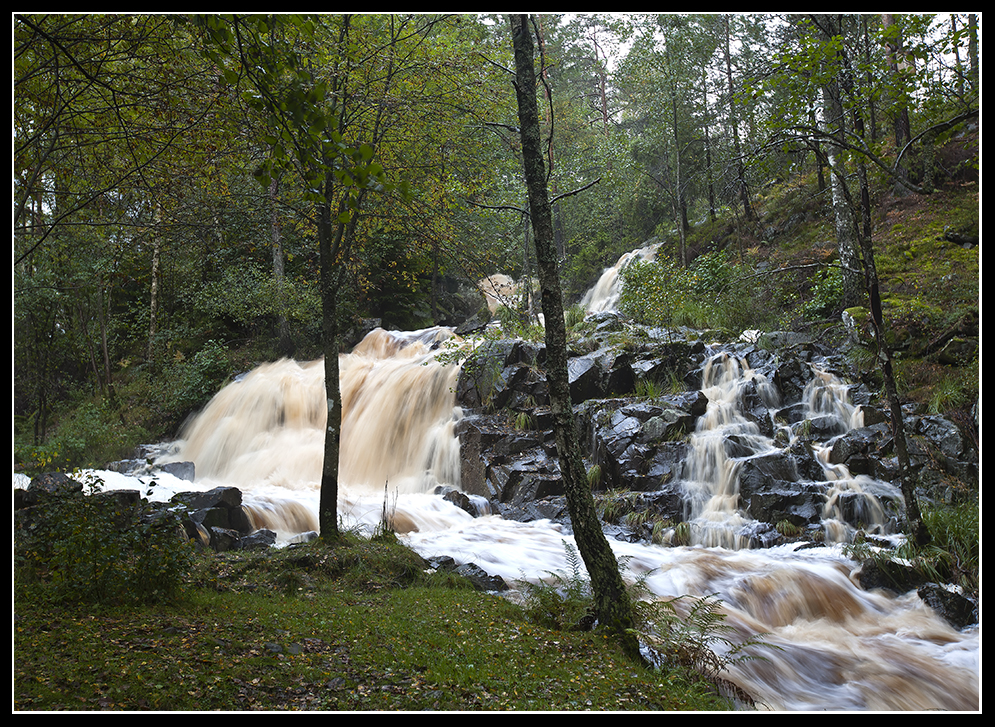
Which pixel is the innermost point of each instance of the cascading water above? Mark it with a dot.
(605, 294)
(265, 433)
(826, 396)
(498, 290)
(838, 646)
(711, 474)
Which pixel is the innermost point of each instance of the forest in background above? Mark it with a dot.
(173, 176)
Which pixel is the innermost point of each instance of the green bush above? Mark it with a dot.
(826, 296)
(712, 293)
(183, 386)
(712, 274)
(956, 540)
(659, 293)
(653, 293)
(96, 547)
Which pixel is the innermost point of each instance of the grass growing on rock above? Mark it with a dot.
(355, 626)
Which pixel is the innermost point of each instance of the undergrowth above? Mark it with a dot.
(90, 546)
(685, 633)
(953, 554)
(357, 625)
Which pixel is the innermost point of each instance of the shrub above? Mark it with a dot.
(712, 274)
(563, 601)
(89, 435)
(706, 294)
(93, 547)
(826, 296)
(183, 386)
(653, 292)
(956, 540)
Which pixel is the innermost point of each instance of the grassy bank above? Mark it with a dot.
(360, 626)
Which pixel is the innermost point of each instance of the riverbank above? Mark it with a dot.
(354, 628)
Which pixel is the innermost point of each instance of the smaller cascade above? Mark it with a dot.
(726, 438)
(851, 498)
(712, 476)
(498, 290)
(605, 294)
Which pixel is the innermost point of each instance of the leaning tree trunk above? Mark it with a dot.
(611, 601)
(913, 514)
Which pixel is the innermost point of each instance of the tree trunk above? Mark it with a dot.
(154, 293)
(913, 515)
(899, 108)
(611, 601)
(680, 211)
(847, 242)
(102, 319)
(710, 183)
(335, 246)
(328, 521)
(973, 54)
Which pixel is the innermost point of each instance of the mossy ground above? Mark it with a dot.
(350, 627)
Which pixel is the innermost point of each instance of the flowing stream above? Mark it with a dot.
(838, 647)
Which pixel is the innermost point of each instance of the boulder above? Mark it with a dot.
(951, 603)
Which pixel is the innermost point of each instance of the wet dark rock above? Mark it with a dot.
(128, 466)
(895, 576)
(759, 534)
(459, 498)
(224, 539)
(585, 378)
(860, 449)
(480, 579)
(799, 503)
(220, 507)
(959, 351)
(48, 484)
(819, 428)
(942, 434)
(181, 470)
(258, 539)
(956, 607)
(551, 508)
(805, 462)
(755, 408)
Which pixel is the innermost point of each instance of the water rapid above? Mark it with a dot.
(838, 647)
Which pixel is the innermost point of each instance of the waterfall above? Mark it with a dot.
(830, 644)
(712, 476)
(498, 290)
(265, 432)
(605, 294)
(827, 396)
